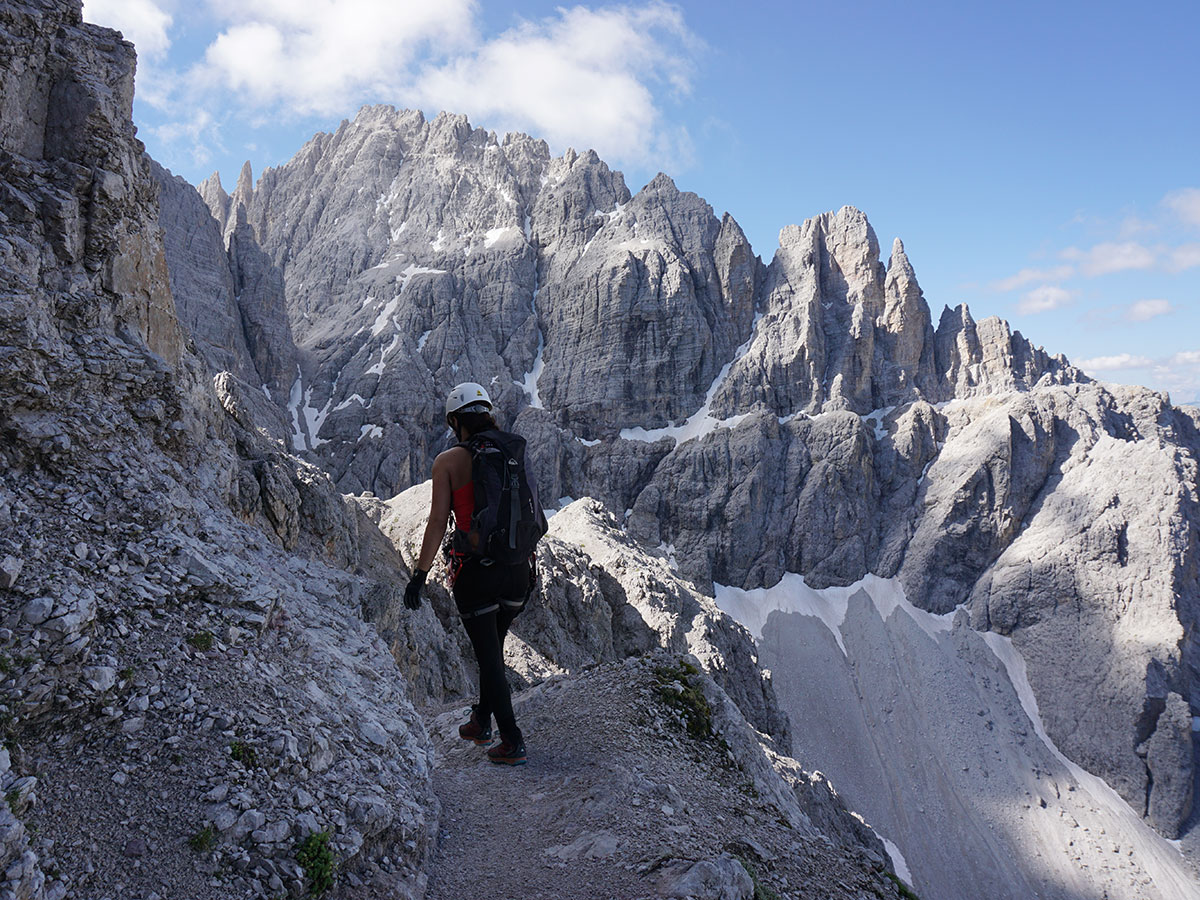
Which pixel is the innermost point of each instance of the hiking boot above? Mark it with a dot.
(508, 752)
(474, 730)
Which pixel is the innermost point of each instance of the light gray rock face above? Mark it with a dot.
(641, 318)
(841, 331)
(395, 299)
(183, 596)
(1059, 516)
(201, 282)
(258, 286)
(985, 807)
(420, 254)
(1171, 766)
(722, 878)
(979, 358)
(229, 294)
(1072, 534)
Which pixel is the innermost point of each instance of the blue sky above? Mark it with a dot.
(1039, 160)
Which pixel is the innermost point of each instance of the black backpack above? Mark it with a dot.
(508, 520)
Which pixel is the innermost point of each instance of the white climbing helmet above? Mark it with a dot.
(466, 396)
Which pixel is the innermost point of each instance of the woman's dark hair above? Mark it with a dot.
(474, 422)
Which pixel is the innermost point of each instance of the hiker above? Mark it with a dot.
(497, 523)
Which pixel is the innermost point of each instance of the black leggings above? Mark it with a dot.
(489, 598)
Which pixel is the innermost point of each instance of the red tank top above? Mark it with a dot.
(463, 501)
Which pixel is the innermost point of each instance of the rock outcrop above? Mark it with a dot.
(417, 253)
(230, 297)
(602, 597)
(181, 653)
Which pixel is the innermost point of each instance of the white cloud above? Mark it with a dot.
(586, 78)
(1115, 363)
(1185, 203)
(1144, 310)
(307, 57)
(142, 21)
(1029, 276)
(1109, 257)
(1180, 375)
(1184, 257)
(199, 129)
(1131, 226)
(1044, 298)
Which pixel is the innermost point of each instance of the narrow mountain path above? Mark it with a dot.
(616, 801)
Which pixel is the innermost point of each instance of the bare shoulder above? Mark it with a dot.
(453, 461)
(457, 453)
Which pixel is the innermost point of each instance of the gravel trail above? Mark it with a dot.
(616, 801)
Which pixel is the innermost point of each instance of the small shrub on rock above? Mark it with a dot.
(762, 890)
(203, 839)
(316, 858)
(905, 892)
(201, 640)
(244, 753)
(675, 688)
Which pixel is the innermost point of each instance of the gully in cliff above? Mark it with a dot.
(497, 524)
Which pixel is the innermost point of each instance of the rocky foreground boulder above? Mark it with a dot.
(182, 658)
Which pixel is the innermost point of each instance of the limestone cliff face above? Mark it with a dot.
(153, 542)
(415, 254)
(641, 318)
(229, 296)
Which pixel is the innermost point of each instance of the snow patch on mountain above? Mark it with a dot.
(529, 384)
(494, 234)
(701, 422)
(314, 418)
(933, 733)
(381, 366)
(294, 399)
(792, 594)
(898, 860)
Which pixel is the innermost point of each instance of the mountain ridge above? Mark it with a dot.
(200, 630)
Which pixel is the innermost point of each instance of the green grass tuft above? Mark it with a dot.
(905, 891)
(203, 839)
(316, 858)
(201, 640)
(675, 688)
(244, 753)
(762, 891)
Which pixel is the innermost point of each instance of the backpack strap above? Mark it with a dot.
(514, 499)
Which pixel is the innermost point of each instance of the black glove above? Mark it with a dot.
(533, 578)
(412, 593)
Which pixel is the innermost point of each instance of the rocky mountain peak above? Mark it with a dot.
(243, 192)
(899, 258)
(213, 193)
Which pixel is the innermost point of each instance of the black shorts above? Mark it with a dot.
(481, 588)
